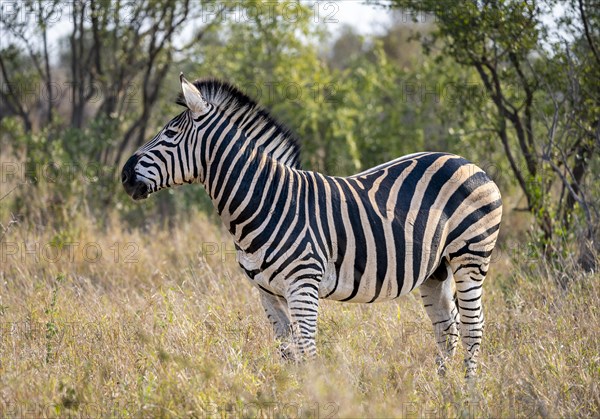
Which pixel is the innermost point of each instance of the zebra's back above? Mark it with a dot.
(390, 227)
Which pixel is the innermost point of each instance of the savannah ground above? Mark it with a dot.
(119, 322)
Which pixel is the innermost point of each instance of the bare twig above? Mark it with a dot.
(586, 30)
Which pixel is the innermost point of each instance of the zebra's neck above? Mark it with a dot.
(246, 156)
(241, 178)
(259, 127)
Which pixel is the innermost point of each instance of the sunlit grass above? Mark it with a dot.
(154, 327)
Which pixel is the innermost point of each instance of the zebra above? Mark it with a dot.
(428, 220)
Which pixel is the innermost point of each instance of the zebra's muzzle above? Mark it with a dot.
(134, 187)
(141, 191)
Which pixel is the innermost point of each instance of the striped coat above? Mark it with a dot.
(427, 220)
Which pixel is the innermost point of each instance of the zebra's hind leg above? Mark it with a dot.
(438, 298)
(277, 312)
(469, 274)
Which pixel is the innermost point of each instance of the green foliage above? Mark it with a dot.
(541, 81)
(367, 111)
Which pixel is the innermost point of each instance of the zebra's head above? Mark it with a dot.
(165, 161)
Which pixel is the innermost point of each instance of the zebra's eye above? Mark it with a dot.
(170, 133)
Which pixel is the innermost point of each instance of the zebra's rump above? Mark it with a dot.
(393, 224)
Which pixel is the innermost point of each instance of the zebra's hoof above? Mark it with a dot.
(441, 365)
(471, 374)
(287, 353)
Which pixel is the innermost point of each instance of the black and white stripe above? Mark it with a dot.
(417, 221)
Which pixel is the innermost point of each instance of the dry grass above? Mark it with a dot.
(169, 332)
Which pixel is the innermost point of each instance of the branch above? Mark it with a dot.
(513, 116)
(502, 129)
(48, 77)
(13, 95)
(8, 193)
(96, 36)
(587, 32)
(528, 98)
(200, 34)
(581, 200)
(6, 229)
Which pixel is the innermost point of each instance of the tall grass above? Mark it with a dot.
(111, 321)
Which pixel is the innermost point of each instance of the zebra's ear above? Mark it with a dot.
(193, 97)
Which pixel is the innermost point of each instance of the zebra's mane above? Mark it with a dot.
(270, 135)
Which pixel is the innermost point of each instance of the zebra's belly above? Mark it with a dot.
(338, 288)
(346, 285)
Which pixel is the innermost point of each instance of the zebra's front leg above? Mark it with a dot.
(303, 303)
(276, 309)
